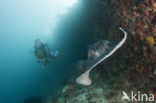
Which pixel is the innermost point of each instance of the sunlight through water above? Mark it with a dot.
(57, 8)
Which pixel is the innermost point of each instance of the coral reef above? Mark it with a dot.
(135, 69)
(138, 17)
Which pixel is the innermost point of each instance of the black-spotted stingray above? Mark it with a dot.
(97, 53)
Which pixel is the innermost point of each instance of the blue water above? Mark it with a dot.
(21, 22)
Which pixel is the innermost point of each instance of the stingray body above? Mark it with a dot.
(97, 53)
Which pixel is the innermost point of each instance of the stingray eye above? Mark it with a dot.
(106, 48)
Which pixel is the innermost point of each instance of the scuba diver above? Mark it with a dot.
(43, 53)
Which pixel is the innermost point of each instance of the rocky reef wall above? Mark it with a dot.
(131, 68)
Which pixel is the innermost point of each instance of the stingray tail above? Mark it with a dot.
(84, 78)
